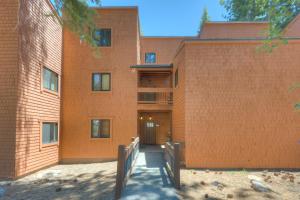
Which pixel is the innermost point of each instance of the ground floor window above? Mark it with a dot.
(49, 132)
(100, 128)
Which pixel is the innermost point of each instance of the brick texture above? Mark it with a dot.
(238, 111)
(40, 45)
(8, 85)
(81, 104)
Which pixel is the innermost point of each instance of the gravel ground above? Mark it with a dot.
(80, 181)
(97, 181)
(206, 184)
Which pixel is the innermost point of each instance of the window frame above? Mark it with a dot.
(150, 53)
(111, 37)
(42, 145)
(110, 128)
(176, 78)
(43, 89)
(110, 81)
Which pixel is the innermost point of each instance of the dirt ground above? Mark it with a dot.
(97, 181)
(206, 184)
(80, 181)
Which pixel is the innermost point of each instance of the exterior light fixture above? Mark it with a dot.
(150, 118)
(141, 118)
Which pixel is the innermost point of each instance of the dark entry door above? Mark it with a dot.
(149, 132)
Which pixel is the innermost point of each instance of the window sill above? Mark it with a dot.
(101, 139)
(50, 92)
(101, 92)
(49, 145)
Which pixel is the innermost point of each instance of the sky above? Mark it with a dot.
(171, 17)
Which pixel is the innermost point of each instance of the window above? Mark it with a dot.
(101, 82)
(102, 37)
(49, 133)
(150, 57)
(100, 128)
(176, 78)
(50, 80)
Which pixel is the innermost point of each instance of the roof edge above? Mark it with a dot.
(145, 66)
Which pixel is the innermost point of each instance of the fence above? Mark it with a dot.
(126, 158)
(172, 158)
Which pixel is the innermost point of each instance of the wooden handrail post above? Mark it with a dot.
(177, 165)
(120, 171)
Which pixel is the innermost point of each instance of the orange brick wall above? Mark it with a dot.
(164, 47)
(237, 30)
(239, 113)
(8, 80)
(40, 45)
(178, 115)
(80, 104)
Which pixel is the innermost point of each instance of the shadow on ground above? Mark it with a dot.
(86, 186)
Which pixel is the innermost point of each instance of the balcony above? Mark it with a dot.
(155, 90)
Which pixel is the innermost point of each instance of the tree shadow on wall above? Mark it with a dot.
(33, 53)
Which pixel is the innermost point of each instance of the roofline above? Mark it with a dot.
(145, 66)
(237, 22)
(114, 7)
(166, 37)
(226, 40)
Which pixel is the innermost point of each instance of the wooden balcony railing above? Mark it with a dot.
(160, 98)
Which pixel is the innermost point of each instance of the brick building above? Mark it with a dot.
(227, 103)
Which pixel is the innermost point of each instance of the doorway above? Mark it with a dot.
(154, 127)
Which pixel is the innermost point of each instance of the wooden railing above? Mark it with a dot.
(160, 98)
(172, 159)
(126, 159)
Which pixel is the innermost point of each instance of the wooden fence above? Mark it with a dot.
(172, 158)
(126, 159)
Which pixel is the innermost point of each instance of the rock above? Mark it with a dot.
(229, 196)
(276, 173)
(75, 180)
(207, 171)
(194, 172)
(202, 183)
(206, 196)
(219, 185)
(284, 177)
(265, 171)
(2, 192)
(259, 186)
(256, 178)
(58, 189)
(220, 172)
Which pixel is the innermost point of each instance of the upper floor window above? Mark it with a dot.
(176, 78)
(50, 80)
(150, 57)
(100, 128)
(103, 37)
(101, 82)
(49, 132)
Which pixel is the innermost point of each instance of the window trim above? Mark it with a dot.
(111, 37)
(155, 57)
(42, 81)
(110, 82)
(42, 145)
(176, 78)
(110, 127)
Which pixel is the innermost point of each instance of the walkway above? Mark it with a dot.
(149, 180)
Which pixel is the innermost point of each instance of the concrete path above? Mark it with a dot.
(149, 180)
